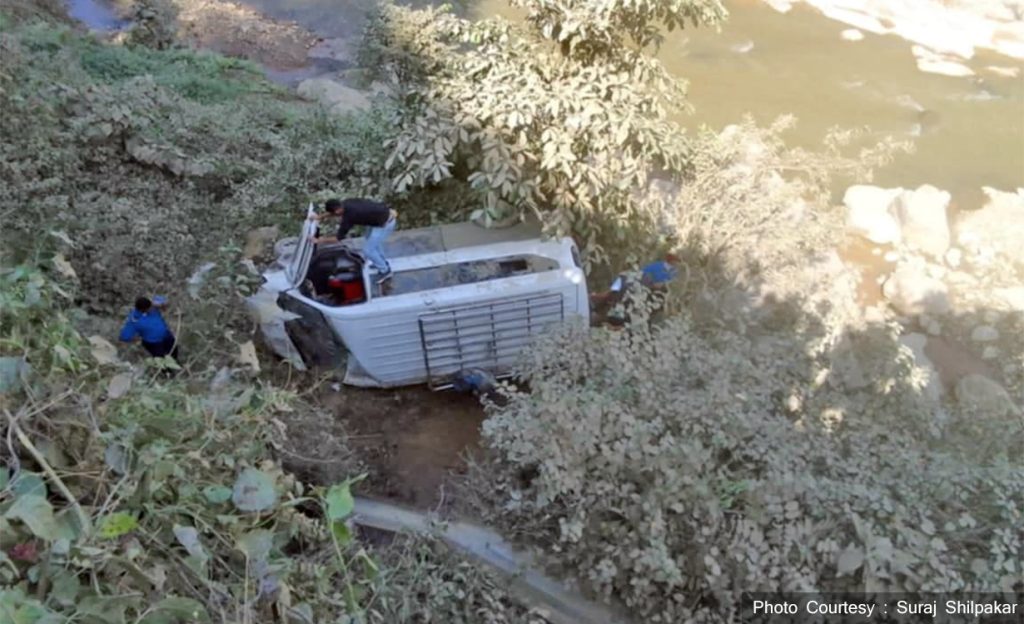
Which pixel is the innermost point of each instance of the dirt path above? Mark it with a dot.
(412, 440)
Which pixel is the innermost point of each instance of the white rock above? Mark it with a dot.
(1013, 297)
(851, 34)
(984, 333)
(936, 271)
(876, 251)
(953, 257)
(875, 314)
(930, 325)
(1006, 72)
(743, 47)
(990, 352)
(334, 95)
(868, 213)
(998, 228)
(891, 256)
(985, 397)
(934, 63)
(782, 6)
(949, 27)
(912, 291)
(922, 218)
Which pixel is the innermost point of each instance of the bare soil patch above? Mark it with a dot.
(236, 30)
(411, 440)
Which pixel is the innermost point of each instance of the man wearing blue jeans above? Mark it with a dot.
(379, 217)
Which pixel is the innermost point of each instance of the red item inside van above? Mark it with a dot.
(349, 291)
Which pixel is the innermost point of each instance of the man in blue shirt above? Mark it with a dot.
(145, 321)
(656, 276)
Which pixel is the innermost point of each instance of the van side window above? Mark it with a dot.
(516, 265)
(471, 272)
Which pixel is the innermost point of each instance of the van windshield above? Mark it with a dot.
(470, 272)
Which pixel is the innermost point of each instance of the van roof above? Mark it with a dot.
(449, 237)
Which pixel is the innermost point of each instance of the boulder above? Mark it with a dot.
(333, 95)
(1012, 297)
(851, 34)
(982, 395)
(998, 227)
(922, 219)
(868, 213)
(984, 333)
(912, 291)
(259, 240)
(935, 63)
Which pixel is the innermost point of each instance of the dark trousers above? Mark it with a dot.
(167, 346)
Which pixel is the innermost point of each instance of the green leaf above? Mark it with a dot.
(341, 532)
(107, 608)
(849, 560)
(37, 514)
(254, 491)
(176, 610)
(340, 503)
(29, 614)
(116, 525)
(189, 538)
(65, 588)
(217, 494)
(256, 544)
(29, 483)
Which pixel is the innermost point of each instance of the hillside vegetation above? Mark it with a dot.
(753, 430)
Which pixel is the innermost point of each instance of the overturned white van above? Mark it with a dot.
(462, 297)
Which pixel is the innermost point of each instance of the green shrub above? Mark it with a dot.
(681, 466)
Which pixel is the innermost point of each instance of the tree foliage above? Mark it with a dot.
(677, 468)
(563, 117)
(766, 436)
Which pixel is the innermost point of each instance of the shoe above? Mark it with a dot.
(383, 277)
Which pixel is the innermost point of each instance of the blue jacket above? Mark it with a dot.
(149, 325)
(659, 272)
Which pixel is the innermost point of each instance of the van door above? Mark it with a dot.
(297, 268)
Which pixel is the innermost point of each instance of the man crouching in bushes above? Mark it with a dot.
(145, 321)
(655, 276)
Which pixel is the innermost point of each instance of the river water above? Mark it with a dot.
(967, 132)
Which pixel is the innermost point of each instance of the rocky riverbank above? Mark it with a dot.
(945, 32)
(954, 283)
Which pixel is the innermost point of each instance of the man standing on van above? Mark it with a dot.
(379, 217)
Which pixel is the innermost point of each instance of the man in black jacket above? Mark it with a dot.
(378, 217)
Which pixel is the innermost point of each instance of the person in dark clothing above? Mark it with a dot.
(656, 276)
(145, 321)
(380, 218)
